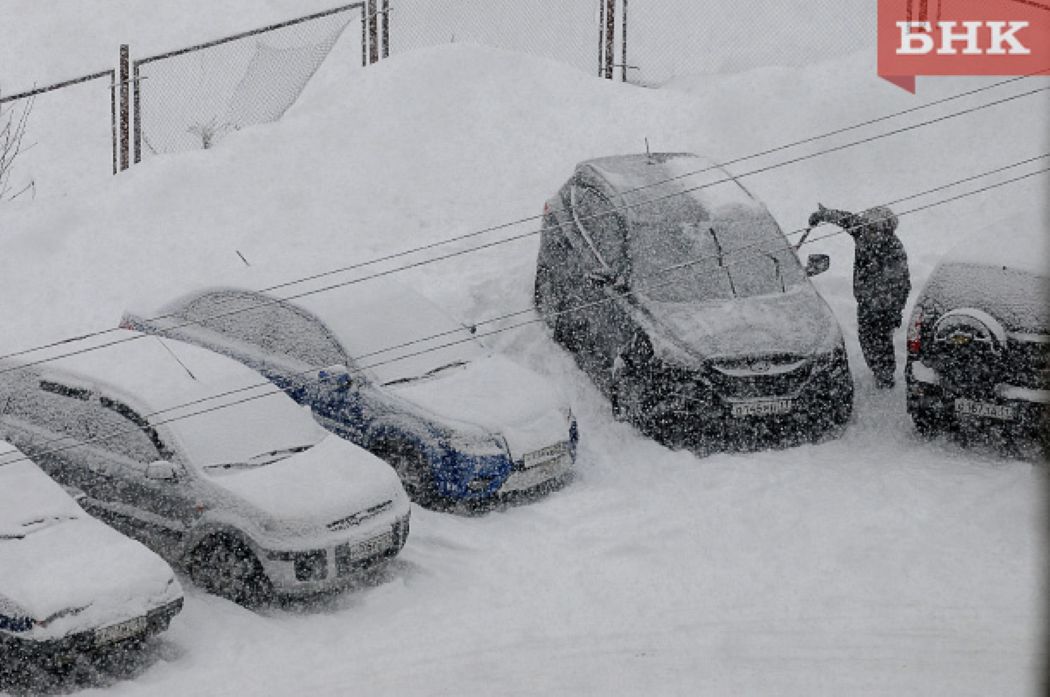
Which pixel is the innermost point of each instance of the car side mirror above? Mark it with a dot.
(76, 494)
(162, 470)
(817, 264)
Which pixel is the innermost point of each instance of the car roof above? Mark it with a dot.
(150, 374)
(641, 178)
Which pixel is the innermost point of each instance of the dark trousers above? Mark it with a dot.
(875, 331)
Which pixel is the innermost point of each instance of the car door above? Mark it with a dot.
(158, 509)
(606, 314)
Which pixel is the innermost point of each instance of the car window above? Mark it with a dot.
(685, 257)
(604, 227)
(77, 413)
(275, 327)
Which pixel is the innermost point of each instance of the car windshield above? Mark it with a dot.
(252, 433)
(740, 252)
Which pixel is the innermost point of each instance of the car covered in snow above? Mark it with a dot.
(70, 584)
(206, 463)
(688, 305)
(385, 368)
(979, 338)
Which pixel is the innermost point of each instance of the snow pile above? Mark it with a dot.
(875, 559)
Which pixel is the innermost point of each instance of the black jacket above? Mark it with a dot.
(881, 281)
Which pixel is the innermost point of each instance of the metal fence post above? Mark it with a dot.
(610, 36)
(386, 28)
(623, 43)
(125, 79)
(373, 32)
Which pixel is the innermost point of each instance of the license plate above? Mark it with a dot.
(372, 547)
(551, 452)
(118, 632)
(768, 407)
(988, 410)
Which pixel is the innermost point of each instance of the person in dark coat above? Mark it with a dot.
(881, 282)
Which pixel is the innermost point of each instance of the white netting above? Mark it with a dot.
(191, 100)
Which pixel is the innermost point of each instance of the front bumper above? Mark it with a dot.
(106, 638)
(329, 568)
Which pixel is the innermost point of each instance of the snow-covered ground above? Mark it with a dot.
(876, 563)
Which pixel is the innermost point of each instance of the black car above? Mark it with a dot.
(688, 306)
(979, 342)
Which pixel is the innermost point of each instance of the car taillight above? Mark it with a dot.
(546, 207)
(915, 331)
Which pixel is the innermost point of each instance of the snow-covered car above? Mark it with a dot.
(457, 422)
(979, 338)
(687, 305)
(209, 465)
(70, 584)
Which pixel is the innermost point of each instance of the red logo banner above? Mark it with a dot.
(962, 37)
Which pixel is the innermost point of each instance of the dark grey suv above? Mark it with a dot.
(979, 342)
(689, 306)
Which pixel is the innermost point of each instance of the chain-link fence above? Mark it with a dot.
(564, 30)
(64, 135)
(190, 98)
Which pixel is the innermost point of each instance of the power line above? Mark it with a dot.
(494, 228)
(577, 308)
(506, 240)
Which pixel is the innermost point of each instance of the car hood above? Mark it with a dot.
(498, 395)
(327, 482)
(80, 574)
(797, 322)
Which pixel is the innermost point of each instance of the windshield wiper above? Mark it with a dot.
(36, 525)
(260, 459)
(721, 260)
(432, 371)
(780, 276)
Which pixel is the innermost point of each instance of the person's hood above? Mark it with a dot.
(499, 396)
(796, 322)
(304, 492)
(70, 575)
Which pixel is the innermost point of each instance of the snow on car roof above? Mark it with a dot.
(1017, 242)
(150, 373)
(628, 173)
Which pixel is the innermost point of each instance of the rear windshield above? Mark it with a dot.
(739, 253)
(1019, 299)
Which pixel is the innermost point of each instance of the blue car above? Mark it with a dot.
(457, 423)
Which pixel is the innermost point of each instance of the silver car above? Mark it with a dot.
(204, 461)
(70, 584)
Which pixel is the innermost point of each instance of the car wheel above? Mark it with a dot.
(550, 305)
(225, 566)
(413, 468)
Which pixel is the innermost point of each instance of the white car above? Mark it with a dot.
(398, 377)
(70, 583)
(208, 464)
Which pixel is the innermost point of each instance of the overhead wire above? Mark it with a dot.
(458, 238)
(505, 240)
(277, 391)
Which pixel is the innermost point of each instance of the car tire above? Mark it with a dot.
(225, 566)
(413, 468)
(551, 306)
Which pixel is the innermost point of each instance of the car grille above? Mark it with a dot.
(757, 378)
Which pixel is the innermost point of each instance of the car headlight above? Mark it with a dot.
(475, 445)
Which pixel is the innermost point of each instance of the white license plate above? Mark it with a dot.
(988, 410)
(372, 547)
(118, 632)
(551, 452)
(769, 407)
